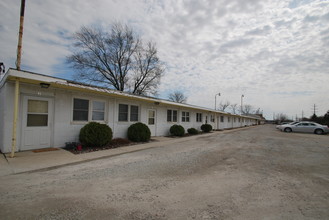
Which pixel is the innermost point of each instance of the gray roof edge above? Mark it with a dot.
(52, 79)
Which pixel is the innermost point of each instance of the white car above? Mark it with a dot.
(305, 126)
(285, 123)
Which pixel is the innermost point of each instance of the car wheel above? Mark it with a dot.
(287, 130)
(318, 131)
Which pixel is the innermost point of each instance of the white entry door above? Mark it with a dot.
(152, 121)
(37, 122)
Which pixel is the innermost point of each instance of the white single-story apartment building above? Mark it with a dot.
(40, 111)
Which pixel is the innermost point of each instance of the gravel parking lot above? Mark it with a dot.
(253, 173)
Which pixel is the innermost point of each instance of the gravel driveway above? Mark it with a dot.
(254, 173)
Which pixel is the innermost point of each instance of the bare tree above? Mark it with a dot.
(234, 108)
(115, 59)
(258, 111)
(177, 96)
(281, 117)
(147, 70)
(247, 109)
(223, 106)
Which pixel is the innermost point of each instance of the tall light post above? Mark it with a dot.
(241, 102)
(218, 94)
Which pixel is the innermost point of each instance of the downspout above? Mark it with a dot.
(14, 135)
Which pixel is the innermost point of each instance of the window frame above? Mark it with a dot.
(185, 116)
(90, 110)
(171, 119)
(78, 109)
(126, 113)
(212, 118)
(199, 117)
(129, 113)
(148, 117)
(96, 110)
(30, 114)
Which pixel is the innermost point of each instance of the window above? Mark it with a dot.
(85, 110)
(198, 117)
(80, 109)
(185, 117)
(221, 118)
(171, 115)
(212, 118)
(98, 111)
(133, 113)
(228, 119)
(37, 113)
(151, 117)
(239, 119)
(124, 112)
(234, 119)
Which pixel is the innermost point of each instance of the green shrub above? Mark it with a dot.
(192, 131)
(95, 134)
(139, 132)
(206, 127)
(177, 130)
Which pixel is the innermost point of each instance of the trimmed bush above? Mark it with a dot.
(177, 130)
(95, 134)
(139, 132)
(206, 128)
(192, 131)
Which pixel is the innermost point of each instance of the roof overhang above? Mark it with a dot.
(36, 79)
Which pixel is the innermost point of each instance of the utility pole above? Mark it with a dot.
(314, 109)
(20, 36)
(18, 67)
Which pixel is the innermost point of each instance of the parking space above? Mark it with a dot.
(253, 173)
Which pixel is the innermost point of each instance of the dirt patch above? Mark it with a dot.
(77, 148)
(45, 150)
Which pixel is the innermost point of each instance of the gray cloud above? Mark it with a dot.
(253, 47)
(260, 31)
(226, 47)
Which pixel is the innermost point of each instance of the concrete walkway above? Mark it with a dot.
(29, 161)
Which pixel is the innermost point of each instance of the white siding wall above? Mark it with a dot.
(7, 113)
(67, 130)
(2, 117)
(64, 129)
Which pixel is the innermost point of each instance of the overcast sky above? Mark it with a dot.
(274, 52)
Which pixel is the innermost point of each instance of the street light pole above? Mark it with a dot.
(215, 99)
(241, 103)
